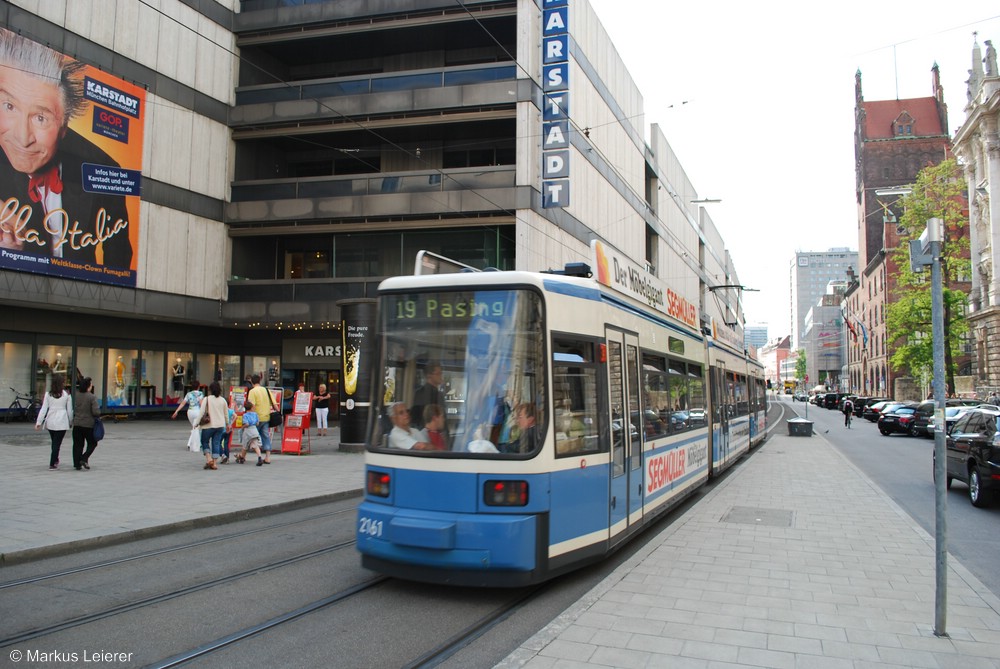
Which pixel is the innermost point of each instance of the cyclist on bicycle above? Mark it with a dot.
(848, 409)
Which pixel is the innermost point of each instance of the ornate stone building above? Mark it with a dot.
(977, 144)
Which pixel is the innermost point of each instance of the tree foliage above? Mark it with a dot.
(939, 192)
(800, 364)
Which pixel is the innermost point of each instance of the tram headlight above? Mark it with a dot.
(378, 483)
(505, 493)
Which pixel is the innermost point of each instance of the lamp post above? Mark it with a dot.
(934, 237)
(927, 251)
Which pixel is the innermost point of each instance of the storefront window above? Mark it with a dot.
(257, 364)
(89, 363)
(151, 380)
(54, 360)
(123, 367)
(180, 376)
(229, 372)
(15, 371)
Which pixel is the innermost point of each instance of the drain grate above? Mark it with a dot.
(750, 515)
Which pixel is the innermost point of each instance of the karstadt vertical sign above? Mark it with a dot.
(555, 101)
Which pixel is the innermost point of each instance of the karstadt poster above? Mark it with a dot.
(70, 166)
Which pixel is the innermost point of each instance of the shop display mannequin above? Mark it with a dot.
(178, 380)
(120, 378)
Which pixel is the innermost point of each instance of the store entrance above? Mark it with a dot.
(311, 378)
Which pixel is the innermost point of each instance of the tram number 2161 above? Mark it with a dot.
(372, 528)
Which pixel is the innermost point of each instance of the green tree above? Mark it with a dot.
(800, 365)
(939, 192)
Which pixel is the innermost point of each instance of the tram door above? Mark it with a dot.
(721, 412)
(626, 430)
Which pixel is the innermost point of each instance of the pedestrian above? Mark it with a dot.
(322, 410)
(56, 414)
(193, 403)
(227, 436)
(85, 410)
(251, 436)
(263, 404)
(217, 410)
(848, 410)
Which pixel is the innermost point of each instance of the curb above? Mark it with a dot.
(69, 547)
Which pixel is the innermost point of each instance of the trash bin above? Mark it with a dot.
(800, 427)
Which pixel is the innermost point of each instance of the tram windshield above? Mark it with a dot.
(462, 372)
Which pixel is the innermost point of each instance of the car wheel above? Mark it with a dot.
(976, 493)
(885, 432)
(913, 431)
(947, 479)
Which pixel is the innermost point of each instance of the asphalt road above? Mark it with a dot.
(902, 466)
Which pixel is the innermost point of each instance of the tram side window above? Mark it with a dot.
(656, 397)
(741, 395)
(696, 397)
(574, 393)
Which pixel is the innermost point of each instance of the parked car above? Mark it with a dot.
(800, 396)
(951, 415)
(817, 399)
(872, 411)
(862, 403)
(973, 455)
(925, 411)
(898, 419)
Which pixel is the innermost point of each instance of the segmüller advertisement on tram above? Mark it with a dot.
(70, 166)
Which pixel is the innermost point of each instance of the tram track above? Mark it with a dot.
(236, 637)
(170, 595)
(449, 647)
(233, 536)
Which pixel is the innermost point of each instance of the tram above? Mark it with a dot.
(574, 414)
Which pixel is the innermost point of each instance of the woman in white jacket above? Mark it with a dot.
(56, 414)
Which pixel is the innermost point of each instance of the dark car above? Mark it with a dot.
(898, 419)
(922, 424)
(973, 455)
(833, 400)
(862, 402)
(875, 409)
(817, 399)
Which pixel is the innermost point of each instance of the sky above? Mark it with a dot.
(757, 101)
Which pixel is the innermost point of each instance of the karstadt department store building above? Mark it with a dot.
(274, 158)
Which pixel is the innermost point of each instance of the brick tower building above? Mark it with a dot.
(893, 141)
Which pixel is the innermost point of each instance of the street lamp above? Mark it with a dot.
(927, 251)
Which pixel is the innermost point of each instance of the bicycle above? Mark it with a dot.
(24, 407)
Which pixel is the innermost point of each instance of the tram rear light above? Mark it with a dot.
(505, 493)
(378, 484)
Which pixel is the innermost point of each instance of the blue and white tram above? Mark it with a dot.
(758, 401)
(621, 408)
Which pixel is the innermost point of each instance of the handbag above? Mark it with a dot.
(206, 417)
(275, 419)
(98, 428)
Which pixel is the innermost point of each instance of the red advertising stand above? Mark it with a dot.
(297, 423)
